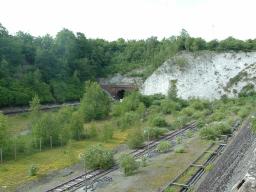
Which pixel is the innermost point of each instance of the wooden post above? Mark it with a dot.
(40, 144)
(1, 155)
(15, 150)
(51, 141)
(61, 141)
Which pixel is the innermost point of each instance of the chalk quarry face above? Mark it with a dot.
(207, 75)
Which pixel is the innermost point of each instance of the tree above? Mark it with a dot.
(98, 157)
(3, 131)
(128, 164)
(163, 146)
(76, 125)
(172, 92)
(135, 139)
(34, 109)
(95, 103)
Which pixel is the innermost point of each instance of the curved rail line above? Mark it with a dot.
(201, 168)
(12, 111)
(92, 176)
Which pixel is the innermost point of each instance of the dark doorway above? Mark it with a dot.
(120, 94)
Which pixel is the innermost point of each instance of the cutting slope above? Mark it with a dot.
(205, 75)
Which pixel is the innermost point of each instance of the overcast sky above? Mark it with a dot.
(132, 19)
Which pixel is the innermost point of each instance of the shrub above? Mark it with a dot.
(97, 157)
(209, 167)
(188, 111)
(95, 103)
(128, 164)
(129, 103)
(169, 106)
(106, 133)
(33, 170)
(154, 133)
(127, 120)
(158, 121)
(180, 149)
(243, 112)
(254, 124)
(135, 139)
(163, 146)
(215, 130)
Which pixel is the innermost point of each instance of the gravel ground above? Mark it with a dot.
(232, 165)
(160, 170)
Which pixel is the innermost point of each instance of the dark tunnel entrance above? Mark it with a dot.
(120, 94)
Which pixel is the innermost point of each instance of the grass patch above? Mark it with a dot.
(14, 173)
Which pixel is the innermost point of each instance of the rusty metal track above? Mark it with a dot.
(92, 176)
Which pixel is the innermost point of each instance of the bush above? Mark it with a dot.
(188, 111)
(180, 149)
(95, 103)
(129, 103)
(97, 157)
(154, 133)
(243, 112)
(127, 120)
(33, 170)
(215, 130)
(158, 121)
(169, 106)
(135, 139)
(163, 146)
(254, 124)
(106, 133)
(128, 164)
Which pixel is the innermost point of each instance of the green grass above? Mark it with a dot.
(18, 123)
(15, 173)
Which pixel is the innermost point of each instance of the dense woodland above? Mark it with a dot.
(55, 68)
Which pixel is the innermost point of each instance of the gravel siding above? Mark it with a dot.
(228, 164)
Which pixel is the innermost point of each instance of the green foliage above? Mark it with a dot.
(158, 121)
(127, 120)
(248, 90)
(130, 103)
(135, 139)
(154, 132)
(181, 62)
(209, 167)
(76, 125)
(254, 124)
(106, 133)
(172, 92)
(215, 130)
(33, 170)
(55, 68)
(3, 131)
(95, 103)
(128, 164)
(163, 147)
(97, 157)
(180, 149)
(169, 106)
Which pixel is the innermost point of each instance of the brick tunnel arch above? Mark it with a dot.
(120, 94)
(118, 91)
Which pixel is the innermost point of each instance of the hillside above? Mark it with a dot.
(205, 74)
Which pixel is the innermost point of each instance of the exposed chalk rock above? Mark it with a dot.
(205, 74)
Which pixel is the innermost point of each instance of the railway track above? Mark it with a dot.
(184, 187)
(13, 111)
(93, 176)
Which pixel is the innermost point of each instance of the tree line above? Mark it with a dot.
(55, 68)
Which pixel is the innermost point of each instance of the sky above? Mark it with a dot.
(132, 19)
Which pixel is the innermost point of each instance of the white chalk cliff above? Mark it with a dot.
(205, 74)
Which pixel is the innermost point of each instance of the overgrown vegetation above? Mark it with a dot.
(97, 157)
(55, 68)
(128, 164)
